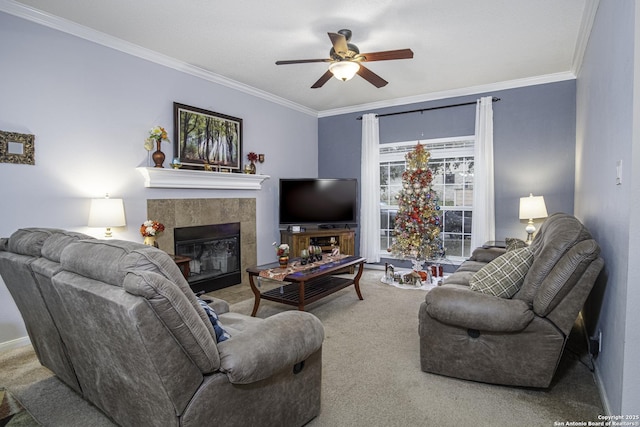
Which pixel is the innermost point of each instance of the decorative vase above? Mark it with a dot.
(284, 261)
(151, 241)
(158, 156)
(252, 168)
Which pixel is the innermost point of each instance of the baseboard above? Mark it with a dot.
(10, 345)
(596, 372)
(603, 393)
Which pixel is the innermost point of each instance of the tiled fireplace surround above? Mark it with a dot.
(190, 212)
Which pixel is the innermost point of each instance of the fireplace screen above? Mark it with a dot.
(215, 255)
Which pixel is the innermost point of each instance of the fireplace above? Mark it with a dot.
(215, 255)
(182, 213)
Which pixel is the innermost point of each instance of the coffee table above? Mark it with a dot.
(307, 285)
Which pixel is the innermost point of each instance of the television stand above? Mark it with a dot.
(326, 239)
(332, 226)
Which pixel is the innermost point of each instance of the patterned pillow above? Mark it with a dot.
(503, 276)
(514, 243)
(221, 334)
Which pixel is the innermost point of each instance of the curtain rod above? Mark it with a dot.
(494, 99)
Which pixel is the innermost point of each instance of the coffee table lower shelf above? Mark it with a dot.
(313, 290)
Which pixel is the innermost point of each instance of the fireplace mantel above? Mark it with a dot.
(184, 178)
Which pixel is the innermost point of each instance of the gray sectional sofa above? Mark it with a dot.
(516, 340)
(118, 323)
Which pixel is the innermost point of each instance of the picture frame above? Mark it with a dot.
(207, 140)
(17, 148)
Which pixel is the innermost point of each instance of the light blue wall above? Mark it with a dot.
(534, 144)
(90, 108)
(608, 130)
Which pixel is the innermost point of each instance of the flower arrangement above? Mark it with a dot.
(156, 134)
(282, 249)
(252, 157)
(151, 228)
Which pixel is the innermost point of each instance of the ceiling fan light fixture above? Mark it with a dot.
(344, 70)
(345, 61)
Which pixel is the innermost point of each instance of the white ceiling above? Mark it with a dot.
(458, 45)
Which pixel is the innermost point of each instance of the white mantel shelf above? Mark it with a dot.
(184, 178)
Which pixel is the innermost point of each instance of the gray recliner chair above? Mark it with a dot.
(511, 341)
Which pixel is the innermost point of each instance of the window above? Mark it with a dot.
(452, 164)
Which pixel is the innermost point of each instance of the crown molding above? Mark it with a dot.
(588, 17)
(31, 14)
(454, 93)
(34, 15)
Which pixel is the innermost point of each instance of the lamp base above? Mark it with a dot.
(529, 238)
(530, 229)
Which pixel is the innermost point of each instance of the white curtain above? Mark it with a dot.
(484, 216)
(370, 190)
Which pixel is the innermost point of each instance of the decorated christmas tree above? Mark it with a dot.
(417, 224)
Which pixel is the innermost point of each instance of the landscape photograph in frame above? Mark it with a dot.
(207, 140)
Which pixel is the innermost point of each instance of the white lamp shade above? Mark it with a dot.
(344, 70)
(532, 207)
(106, 213)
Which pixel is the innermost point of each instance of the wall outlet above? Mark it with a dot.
(595, 344)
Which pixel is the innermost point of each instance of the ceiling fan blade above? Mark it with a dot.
(386, 55)
(322, 80)
(301, 61)
(339, 44)
(371, 77)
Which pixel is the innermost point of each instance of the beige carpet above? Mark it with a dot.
(371, 374)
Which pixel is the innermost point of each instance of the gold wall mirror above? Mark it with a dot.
(17, 148)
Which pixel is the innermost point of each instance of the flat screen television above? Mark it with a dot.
(318, 201)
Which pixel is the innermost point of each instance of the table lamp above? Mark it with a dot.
(106, 213)
(532, 207)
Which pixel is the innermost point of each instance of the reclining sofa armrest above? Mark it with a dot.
(277, 343)
(482, 254)
(4, 244)
(474, 310)
(220, 306)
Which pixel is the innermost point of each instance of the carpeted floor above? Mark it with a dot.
(371, 374)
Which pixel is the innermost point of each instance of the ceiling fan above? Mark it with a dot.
(346, 60)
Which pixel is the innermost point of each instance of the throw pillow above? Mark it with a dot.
(514, 243)
(503, 276)
(221, 334)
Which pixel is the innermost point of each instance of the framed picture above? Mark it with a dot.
(17, 148)
(204, 138)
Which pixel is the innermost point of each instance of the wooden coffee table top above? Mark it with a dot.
(303, 273)
(304, 284)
